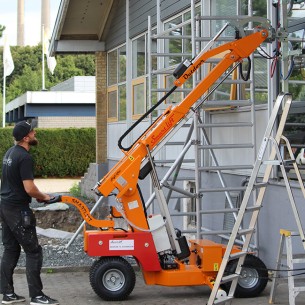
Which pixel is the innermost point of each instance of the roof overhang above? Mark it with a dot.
(80, 26)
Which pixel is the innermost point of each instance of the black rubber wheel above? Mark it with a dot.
(253, 278)
(112, 278)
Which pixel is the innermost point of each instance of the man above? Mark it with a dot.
(18, 221)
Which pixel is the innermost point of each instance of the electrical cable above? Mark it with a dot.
(247, 76)
(141, 119)
(266, 55)
(289, 71)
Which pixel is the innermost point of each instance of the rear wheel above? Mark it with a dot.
(252, 280)
(112, 278)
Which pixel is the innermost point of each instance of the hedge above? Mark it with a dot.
(60, 152)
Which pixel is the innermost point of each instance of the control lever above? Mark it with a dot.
(56, 198)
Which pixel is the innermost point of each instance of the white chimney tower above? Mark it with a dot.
(20, 23)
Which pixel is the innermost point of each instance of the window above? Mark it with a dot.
(296, 67)
(117, 84)
(295, 132)
(138, 57)
(112, 68)
(122, 102)
(190, 221)
(122, 64)
(180, 46)
(174, 45)
(138, 97)
(112, 103)
(259, 64)
(139, 94)
(175, 97)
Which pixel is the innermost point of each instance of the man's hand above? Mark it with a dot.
(46, 198)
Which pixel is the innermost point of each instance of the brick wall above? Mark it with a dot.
(101, 107)
(66, 122)
(98, 169)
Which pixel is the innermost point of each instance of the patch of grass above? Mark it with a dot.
(75, 190)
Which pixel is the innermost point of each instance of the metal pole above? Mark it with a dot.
(43, 46)
(3, 108)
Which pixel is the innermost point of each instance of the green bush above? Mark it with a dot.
(75, 190)
(60, 152)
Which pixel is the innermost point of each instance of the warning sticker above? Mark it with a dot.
(216, 266)
(118, 244)
(133, 205)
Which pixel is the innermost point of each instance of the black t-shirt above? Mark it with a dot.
(17, 166)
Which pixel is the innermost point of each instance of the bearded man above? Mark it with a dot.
(18, 220)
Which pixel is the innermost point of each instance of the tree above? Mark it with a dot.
(27, 75)
(31, 80)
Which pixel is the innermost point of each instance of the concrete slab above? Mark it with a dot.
(57, 206)
(54, 233)
(54, 185)
(73, 288)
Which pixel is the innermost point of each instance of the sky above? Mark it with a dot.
(32, 20)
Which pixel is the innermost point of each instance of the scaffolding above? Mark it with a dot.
(231, 97)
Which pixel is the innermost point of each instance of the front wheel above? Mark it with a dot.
(252, 280)
(112, 278)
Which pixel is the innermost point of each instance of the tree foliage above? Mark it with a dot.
(27, 75)
(50, 161)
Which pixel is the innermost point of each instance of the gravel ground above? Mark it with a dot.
(55, 253)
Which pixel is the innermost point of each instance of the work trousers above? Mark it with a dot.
(16, 234)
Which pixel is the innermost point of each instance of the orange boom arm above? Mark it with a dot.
(123, 177)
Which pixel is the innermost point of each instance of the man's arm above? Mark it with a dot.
(34, 192)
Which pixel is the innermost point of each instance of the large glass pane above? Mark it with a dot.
(112, 68)
(173, 45)
(187, 30)
(122, 103)
(138, 57)
(154, 59)
(138, 99)
(175, 97)
(296, 69)
(112, 104)
(223, 8)
(259, 7)
(154, 94)
(122, 64)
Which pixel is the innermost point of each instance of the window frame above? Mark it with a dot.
(135, 82)
(117, 85)
(111, 89)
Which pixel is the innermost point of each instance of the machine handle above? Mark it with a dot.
(56, 198)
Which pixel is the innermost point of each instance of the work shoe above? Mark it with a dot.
(43, 299)
(12, 298)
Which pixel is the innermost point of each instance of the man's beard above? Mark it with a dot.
(33, 142)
